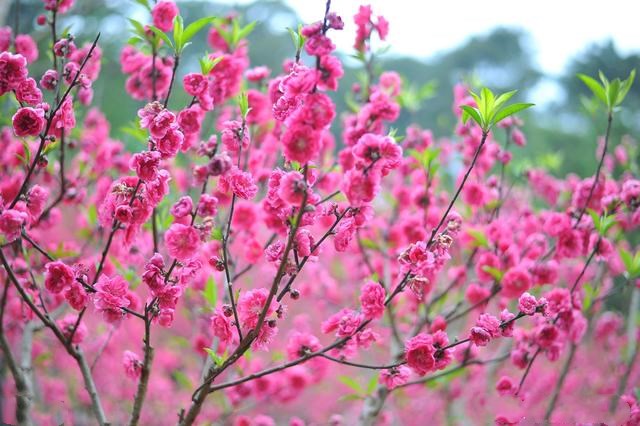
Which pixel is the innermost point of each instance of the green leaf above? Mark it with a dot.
(226, 35)
(471, 112)
(243, 103)
(627, 260)
(157, 31)
(245, 31)
(595, 87)
(216, 234)
(595, 217)
(182, 379)
(217, 359)
(479, 238)
(27, 152)
(92, 215)
(350, 397)
(487, 102)
(50, 147)
(606, 224)
(351, 384)
(502, 99)
(133, 129)
(497, 274)
(509, 111)
(370, 244)
(210, 292)
(144, 3)
(589, 296)
(178, 29)
(207, 63)
(446, 379)
(138, 27)
(135, 40)
(195, 27)
(626, 86)
(373, 382)
(613, 90)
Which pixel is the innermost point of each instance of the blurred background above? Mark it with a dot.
(536, 48)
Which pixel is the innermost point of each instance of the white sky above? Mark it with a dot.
(559, 28)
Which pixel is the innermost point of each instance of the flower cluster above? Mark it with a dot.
(247, 244)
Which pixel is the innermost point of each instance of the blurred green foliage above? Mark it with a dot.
(501, 60)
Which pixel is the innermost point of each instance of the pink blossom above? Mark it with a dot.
(27, 47)
(208, 205)
(190, 120)
(527, 304)
(195, 84)
(13, 70)
(292, 188)
(361, 188)
(221, 326)
(28, 92)
(132, 364)
(372, 297)
(515, 282)
(505, 386)
(49, 80)
(419, 353)
(69, 324)
(28, 121)
(301, 344)
(146, 164)
(111, 297)
(36, 200)
(11, 222)
(182, 241)
(76, 296)
(250, 305)
(241, 183)
(394, 377)
(234, 136)
(170, 143)
(301, 143)
(183, 207)
(58, 276)
(163, 14)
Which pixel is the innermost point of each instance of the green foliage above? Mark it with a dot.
(26, 158)
(610, 93)
(207, 63)
(144, 3)
(297, 38)
(497, 274)
(162, 36)
(217, 359)
(210, 292)
(243, 103)
(479, 238)
(602, 224)
(445, 379)
(181, 35)
(352, 384)
(182, 380)
(216, 234)
(236, 33)
(589, 296)
(491, 109)
(412, 97)
(631, 263)
(428, 159)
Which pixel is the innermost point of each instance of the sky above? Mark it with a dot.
(559, 29)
